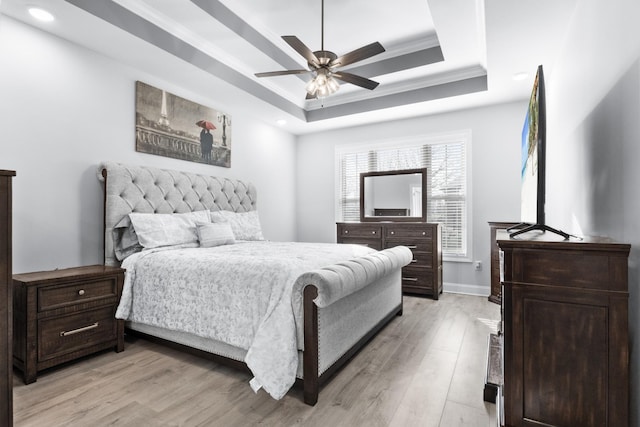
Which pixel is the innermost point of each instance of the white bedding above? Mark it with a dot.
(238, 294)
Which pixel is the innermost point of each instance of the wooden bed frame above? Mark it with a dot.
(312, 378)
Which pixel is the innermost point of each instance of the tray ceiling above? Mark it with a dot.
(440, 55)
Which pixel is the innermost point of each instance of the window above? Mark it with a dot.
(445, 158)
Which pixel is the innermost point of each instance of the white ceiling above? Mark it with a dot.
(441, 55)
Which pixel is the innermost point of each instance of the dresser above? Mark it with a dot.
(65, 314)
(496, 287)
(6, 369)
(565, 332)
(424, 275)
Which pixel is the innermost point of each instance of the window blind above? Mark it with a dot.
(446, 184)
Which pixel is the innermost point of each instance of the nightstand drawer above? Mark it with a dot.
(60, 296)
(66, 334)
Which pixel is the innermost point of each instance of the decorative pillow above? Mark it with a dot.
(155, 230)
(215, 234)
(125, 240)
(245, 225)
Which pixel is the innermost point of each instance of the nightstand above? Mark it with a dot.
(61, 315)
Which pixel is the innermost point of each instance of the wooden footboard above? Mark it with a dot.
(312, 381)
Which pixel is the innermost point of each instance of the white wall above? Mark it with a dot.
(495, 157)
(593, 99)
(64, 109)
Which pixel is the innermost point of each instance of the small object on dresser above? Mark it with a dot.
(61, 315)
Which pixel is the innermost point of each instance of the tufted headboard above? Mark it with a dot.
(145, 189)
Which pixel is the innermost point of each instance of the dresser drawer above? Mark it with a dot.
(414, 245)
(360, 230)
(421, 259)
(372, 243)
(410, 231)
(66, 334)
(417, 277)
(59, 296)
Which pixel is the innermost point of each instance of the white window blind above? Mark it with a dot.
(446, 183)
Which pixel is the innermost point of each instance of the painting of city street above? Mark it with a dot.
(171, 126)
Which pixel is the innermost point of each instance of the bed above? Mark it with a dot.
(290, 312)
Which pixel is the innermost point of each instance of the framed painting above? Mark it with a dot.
(171, 126)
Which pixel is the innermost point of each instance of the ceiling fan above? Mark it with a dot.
(324, 64)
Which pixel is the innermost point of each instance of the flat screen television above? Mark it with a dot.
(533, 163)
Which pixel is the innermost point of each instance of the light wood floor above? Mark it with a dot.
(425, 368)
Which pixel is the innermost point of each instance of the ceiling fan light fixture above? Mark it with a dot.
(323, 84)
(323, 65)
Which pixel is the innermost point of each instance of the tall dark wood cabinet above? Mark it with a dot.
(496, 286)
(6, 301)
(424, 274)
(565, 332)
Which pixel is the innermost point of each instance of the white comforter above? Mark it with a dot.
(238, 294)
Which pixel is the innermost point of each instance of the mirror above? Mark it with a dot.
(394, 195)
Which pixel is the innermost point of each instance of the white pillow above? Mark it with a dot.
(245, 225)
(155, 230)
(215, 234)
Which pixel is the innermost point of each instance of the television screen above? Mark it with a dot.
(532, 194)
(532, 163)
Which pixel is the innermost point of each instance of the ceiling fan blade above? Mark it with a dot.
(358, 55)
(356, 80)
(302, 49)
(281, 73)
(309, 96)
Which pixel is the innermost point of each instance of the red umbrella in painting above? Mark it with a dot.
(205, 124)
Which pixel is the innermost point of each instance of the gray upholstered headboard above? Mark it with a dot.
(145, 189)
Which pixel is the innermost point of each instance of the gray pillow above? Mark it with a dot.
(125, 240)
(215, 234)
(245, 225)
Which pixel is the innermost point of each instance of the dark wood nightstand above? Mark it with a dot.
(62, 315)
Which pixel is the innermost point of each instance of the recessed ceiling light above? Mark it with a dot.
(41, 14)
(520, 76)
(281, 122)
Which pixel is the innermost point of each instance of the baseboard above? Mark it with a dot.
(458, 288)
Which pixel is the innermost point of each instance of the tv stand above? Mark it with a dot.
(564, 332)
(532, 227)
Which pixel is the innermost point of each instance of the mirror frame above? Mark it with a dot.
(422, 218)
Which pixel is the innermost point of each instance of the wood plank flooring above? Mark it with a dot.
(426, 368)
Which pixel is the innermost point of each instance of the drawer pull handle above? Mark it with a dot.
(412, 246)
(81, 292)
(373, 232)
(410, 279)
(346, 231)
(424, 233)
(414, 260)
(393, 232)
(77, 331)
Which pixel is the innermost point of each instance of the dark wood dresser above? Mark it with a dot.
(424, 274)
(496, 286)
(6, 368)
(61, 315)
(565, 332)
